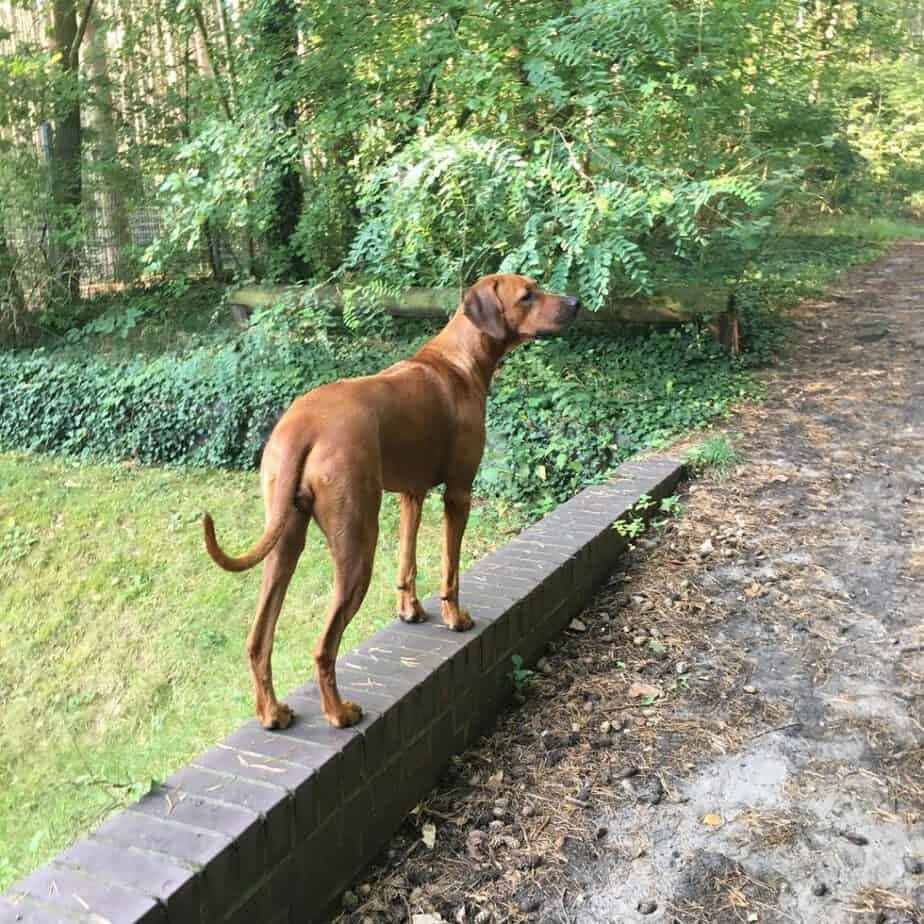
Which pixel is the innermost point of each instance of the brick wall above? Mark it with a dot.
(269, 827)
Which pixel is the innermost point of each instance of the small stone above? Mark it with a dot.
(749, 688)
(707, 548)
(544, 667)
(577, 625)
(624, 773)
(350, 901)
(365, 890)
(606, 727)
(913, 865)
(681, 667)
(647, 907)
(496, 825)
(527, 811)
(498, 812)
(819, 889)
(639, 640)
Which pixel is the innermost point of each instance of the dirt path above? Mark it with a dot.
(734, 730)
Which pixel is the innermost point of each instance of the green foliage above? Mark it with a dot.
(520, 676)
(561, 413)
(716, 454)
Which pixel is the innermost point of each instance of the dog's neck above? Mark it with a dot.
(467, 348)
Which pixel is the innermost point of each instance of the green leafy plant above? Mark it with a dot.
(520, 676)
(716, 454)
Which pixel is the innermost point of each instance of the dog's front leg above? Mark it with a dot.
(456, 504)
(409, 608)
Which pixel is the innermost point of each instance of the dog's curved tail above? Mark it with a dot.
(283, 503)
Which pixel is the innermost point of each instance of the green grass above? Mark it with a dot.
(122, 645)
(716, 454)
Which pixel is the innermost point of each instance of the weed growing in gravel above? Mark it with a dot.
(716, 454)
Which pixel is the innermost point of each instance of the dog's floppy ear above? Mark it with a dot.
(483, 308)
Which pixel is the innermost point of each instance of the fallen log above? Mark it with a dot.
(673, 306)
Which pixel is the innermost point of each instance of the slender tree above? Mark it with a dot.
(67, 147)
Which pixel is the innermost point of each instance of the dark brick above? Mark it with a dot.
(420, 771)
(319, 872)
(22, 911)
(399, 637)
(397, 675)
(243, 825)
(442, 736)
(387, 805)
(178, 888)
(269, 771)
(75, 893)
(254, 908)
(275, 807)
(213, 854)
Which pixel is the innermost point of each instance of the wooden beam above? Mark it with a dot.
(671, 307)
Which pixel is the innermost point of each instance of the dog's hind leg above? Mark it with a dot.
(351, 529)
(277, 573)
(409, 608)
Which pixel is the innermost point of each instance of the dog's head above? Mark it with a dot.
(511, 308)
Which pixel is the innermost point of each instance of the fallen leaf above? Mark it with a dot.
(638, 690)
(428, 834)
(713, 820)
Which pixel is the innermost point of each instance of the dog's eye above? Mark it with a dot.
(528, 297)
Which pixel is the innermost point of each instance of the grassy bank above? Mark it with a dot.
(122, 645)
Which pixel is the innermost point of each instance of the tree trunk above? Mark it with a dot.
(276, 40)
(12, 300)
(110, 196)
(66, 178)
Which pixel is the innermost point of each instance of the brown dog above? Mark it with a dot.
(418, 424)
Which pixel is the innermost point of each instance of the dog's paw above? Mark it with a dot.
(349, 715)
(459, 621)
(279, 715)
(417, 613)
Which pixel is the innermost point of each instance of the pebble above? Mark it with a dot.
(496, 825)
(749, 688)
(577, 625)
(640, 640)
(625, 773)
(681, 667)
(527, 811)
(606, 727)
(819, 889)
(647, 907)
(365, 889)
